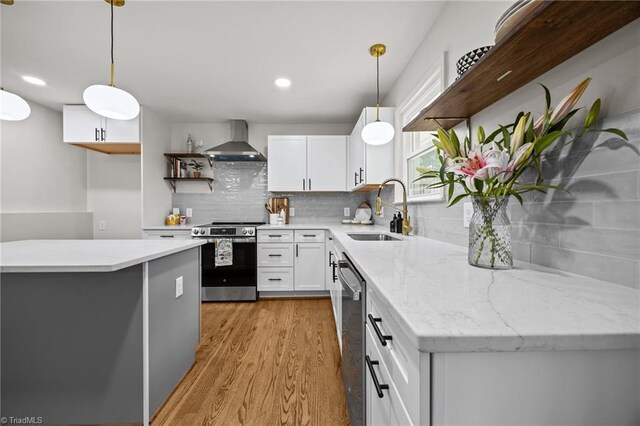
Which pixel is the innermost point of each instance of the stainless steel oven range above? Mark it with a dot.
(229, 264)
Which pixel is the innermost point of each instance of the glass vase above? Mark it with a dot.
(490, 234)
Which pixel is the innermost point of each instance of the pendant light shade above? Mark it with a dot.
(107, 100)
(111, 102)
(377, 132)
(13, 107)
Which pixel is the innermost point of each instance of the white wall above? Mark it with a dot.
(114, 195)
(39, 172)
(43, 181)
(156, 194)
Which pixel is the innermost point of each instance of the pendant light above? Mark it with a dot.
(13, 107)
(377, 132)
(109, 101)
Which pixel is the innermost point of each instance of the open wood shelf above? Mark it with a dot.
(172, 155)
(172, 181)
(553, 32)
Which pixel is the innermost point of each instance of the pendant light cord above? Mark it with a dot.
(378, 87)
(112, 62)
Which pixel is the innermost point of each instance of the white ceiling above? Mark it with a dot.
(211, 61)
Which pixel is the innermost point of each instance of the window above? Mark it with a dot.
(418, 149)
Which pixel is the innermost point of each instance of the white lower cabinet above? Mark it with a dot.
(275, 279)
(309, 266)
(384, 405)
(543, 387)
(291, 260)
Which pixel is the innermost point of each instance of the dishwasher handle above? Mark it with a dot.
(351, 292)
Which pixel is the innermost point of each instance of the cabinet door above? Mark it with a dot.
(80, 124)
(287, 165)
(309, 266)
(327, 163)
(122, 131)
(356, 170)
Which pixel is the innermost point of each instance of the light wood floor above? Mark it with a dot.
(274, 362)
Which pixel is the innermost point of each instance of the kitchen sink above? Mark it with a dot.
(373, 237)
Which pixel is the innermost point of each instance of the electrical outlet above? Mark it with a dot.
(176, 210)
(292, 212)
(468, 212)
(179, 287)
(102, 225)
(347, 212)
(189, 212)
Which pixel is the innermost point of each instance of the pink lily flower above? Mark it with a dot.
(482, 166)
(569, 102)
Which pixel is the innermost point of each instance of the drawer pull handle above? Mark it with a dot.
(309, 235)
(374, 323)
(275, 279)
(167, 236)
(275, 236)
(374, 377)
(275, 255)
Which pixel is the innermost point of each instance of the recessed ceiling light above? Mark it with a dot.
(34, 80)
(282, 82)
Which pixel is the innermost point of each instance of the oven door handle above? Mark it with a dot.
(235, 240)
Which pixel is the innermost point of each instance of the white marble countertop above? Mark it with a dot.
(85, 255)
(446, 305)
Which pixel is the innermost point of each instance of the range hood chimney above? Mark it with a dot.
(237, 149)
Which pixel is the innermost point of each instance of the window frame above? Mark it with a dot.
(430, 86)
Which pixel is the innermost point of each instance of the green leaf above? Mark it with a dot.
(451, 188)
(547, 95)
(492, 136)
(480, 134)
(454, 140)
(506, 137)
(617, 132)
(560, 125)
(546, 141)
(592, 116)
(478, 184)
(458, 198)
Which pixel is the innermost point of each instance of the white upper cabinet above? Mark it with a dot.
(287, 163)
(307, 163)
(81, 125)
(369, 165)
(326, 163)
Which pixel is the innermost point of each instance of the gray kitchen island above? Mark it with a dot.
(96, 331)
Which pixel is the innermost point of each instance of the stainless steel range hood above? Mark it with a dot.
(237, 149)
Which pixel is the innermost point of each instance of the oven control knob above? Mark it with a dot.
(244, 231)
(250, 231)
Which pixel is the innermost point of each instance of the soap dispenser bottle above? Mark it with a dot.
(392, 224)
(399, 223)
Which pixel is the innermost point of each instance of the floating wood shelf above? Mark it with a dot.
(553, 32)
(113, 148)
(172, 181)
(171, 155)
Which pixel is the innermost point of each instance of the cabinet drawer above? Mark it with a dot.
(265, 236)
(400, 356)
(275, 279)
(309, 236)
(389, 409)
(169, 235)
(275, 255)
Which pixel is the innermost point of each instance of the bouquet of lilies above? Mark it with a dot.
(494, 166)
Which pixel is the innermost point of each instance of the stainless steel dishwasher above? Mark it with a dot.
(353, 339)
